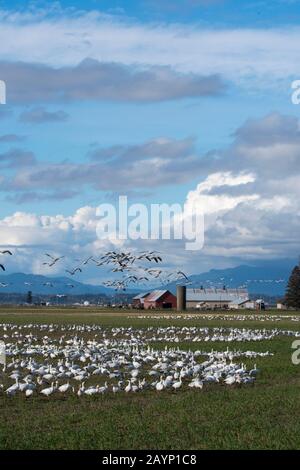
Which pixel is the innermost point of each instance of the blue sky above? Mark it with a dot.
(210, 79)
(220, 13)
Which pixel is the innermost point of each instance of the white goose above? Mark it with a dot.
(117, 388)
(48, 391)
(177, 385)
(128, 387)
(103, 389)
(160, 385)
(12, 390)
(230, 380)
(91, 390)
(65, 387)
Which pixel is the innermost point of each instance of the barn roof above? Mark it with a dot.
(217, 295)
(156, 295)
(141, 296)
(239, 301)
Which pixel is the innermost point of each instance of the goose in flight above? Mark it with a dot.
(73, 271)
(180, 273)
(2, 267)
(49, 284)
(87, 260)
(154, 272)
(6, 252)
(53, 260)
(150, 256)
(117, 285)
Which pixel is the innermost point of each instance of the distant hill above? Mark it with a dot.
(269, 278)
(21, 283)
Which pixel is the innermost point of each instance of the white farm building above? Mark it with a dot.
(218, 298)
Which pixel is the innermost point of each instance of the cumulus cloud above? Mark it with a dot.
(29, 235)
(119, 168)
(249, 192)
(94, 80)
(40, 115)
(269, 146)
(210, 203)
(260, 148)
(256, 219)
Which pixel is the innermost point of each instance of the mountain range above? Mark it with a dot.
(20, 283)
(268, 278)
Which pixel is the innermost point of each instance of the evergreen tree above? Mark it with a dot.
(292, 296)
(29, 298)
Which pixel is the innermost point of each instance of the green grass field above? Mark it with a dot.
(265, 415)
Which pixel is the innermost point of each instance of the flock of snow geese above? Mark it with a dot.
(134, 268)
(228, 317)
(82, 360)
(126, 263)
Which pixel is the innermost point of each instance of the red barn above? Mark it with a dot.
(160, 299)
(138, 300)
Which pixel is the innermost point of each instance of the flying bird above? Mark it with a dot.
(180, 273)
(74, 271)
(54, 260)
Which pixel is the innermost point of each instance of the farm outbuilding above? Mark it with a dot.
(160, 299)
(216, 298)
(138, 300)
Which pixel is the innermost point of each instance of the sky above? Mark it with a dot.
(188, 102)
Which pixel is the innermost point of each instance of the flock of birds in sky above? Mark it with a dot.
(134, 269)
(126, 263)
(51, 359)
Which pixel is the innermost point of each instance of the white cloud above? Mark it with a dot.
(251, 205)
(31, 235)
(211, 204)
(240, 55)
